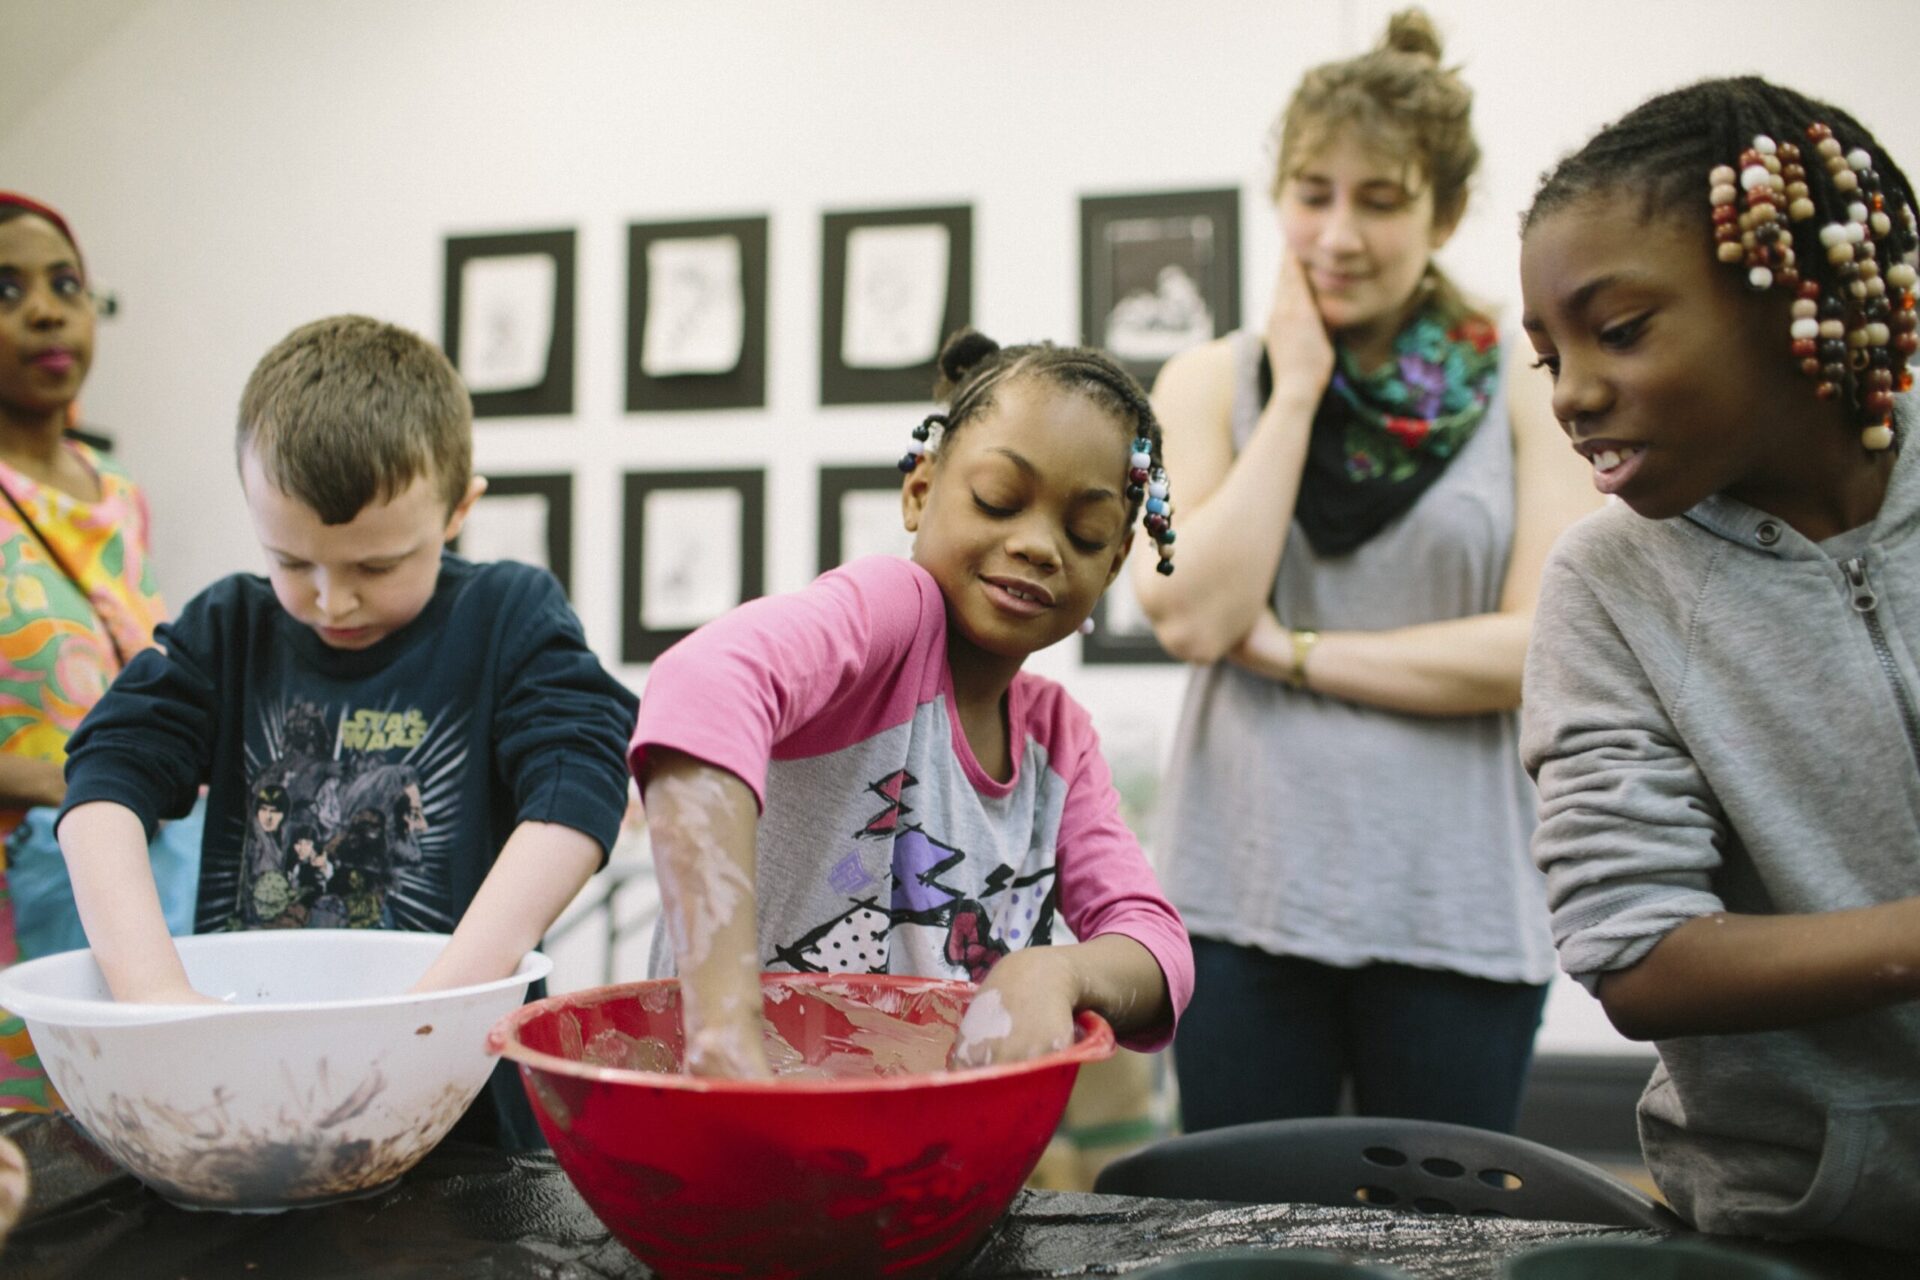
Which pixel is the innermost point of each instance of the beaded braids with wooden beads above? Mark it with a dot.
(1800, 197)
(973, 365)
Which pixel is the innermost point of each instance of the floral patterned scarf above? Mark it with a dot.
(1380, 438)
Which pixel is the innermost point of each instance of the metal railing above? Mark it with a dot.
(621, 902)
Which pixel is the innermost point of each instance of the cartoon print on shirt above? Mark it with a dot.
(974, 927)
(1032, 903)
(855, 942)
(918, 862)
(889, 789)
(266, 838)
(347, 822)
(312, 868)
(970, 941)
(1026, 920)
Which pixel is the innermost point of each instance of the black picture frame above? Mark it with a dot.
(841, 383)
(553, 395)
(1128, 243)
(836, 482)
(1110, 644)
(742, 387)
(640, 642)
(557, 488)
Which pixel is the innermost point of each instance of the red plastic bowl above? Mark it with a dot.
(863, 1157)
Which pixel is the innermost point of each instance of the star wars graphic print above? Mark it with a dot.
(972, 916)
(346, 821)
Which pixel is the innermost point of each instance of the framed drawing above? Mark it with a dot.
(893, 284)
(508, 325)
(697, 315)
(1121, 632)
(860, 515)
(1158, 274)
(528, 518)
(694, 548)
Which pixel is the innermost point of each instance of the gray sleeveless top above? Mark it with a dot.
(1344, 834)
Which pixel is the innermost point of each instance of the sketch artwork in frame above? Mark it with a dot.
(697, 315)
(508, 323)
(1158, 274)
(528, 518)
(860, 515)
(1121, 632)
(694, 548)
(894, 283)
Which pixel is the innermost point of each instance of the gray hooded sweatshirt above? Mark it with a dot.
(1723, 715)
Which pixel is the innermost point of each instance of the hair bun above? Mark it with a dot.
(961, 355)
(1412, 31)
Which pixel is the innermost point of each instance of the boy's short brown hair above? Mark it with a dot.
(347, 411)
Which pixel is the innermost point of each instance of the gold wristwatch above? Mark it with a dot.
(1303, 641)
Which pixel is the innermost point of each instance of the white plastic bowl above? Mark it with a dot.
(321, 1080)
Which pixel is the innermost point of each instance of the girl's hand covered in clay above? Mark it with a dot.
(1024, 1009)
(701, 821)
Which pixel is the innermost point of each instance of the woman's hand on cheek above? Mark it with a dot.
(1297, 341)
(1024, 1009)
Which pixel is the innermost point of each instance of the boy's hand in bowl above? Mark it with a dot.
(170, 993)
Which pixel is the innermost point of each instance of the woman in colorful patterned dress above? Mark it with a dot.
(77, 596)
(1367, 492)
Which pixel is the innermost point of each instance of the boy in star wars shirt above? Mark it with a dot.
(391, 736)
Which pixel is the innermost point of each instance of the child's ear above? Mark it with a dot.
(913, 494)
(464, 508)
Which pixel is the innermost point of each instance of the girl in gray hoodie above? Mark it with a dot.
(1720, 696)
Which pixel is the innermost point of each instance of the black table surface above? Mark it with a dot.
(470, 1211)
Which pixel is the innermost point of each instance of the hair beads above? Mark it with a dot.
(911, 458)
(1756, 236)
(1859, 333)
(1849, 220)
(1143, 478)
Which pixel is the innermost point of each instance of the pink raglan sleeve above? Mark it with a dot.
(733, 690)
(1106, 885)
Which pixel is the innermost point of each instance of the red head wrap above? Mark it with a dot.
(26, 204)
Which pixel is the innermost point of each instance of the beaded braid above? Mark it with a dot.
(973, 366)
(1853, 318)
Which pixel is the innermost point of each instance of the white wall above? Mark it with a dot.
(236, 168)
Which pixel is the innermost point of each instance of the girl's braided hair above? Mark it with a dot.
(973, 367)
(1838, 228)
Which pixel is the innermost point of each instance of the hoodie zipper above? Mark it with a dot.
(1866, 603)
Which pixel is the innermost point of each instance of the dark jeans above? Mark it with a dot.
(1275, 1037)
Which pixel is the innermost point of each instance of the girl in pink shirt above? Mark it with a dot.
(858, 777)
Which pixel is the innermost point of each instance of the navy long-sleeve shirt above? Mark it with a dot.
(364, 788)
